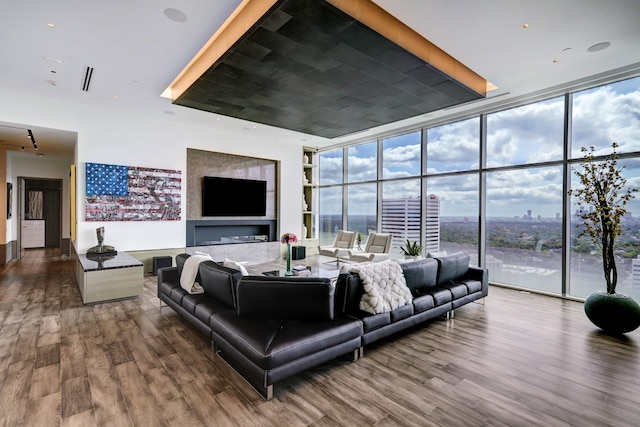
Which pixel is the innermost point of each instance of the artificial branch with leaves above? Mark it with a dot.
(603, 189)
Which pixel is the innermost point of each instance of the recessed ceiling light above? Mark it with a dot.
(171, 113)
(525, 26)
(567, 49)
(556, 60)
(51, 25)
(175, 15)
(598, 47)
(52, 82)
(116, 97)
(52, 59)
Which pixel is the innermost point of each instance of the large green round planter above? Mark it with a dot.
(613, 313)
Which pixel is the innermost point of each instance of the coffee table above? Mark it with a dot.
(330, 272)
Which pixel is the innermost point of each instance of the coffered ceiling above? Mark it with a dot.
(137, 48)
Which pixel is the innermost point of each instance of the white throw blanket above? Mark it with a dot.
(384, 286)
(190, 272)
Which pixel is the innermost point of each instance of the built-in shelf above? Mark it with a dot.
(309, 182)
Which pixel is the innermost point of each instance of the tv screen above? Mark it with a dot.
(233, 197)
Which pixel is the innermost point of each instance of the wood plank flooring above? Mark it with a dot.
(518, 360)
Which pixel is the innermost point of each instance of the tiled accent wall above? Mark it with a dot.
(208, 163)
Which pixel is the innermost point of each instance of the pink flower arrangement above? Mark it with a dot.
(288, 238)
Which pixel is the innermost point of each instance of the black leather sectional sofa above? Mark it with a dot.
(270, 328)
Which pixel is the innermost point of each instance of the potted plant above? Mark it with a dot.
(411, 249)
(359, 240)
(603, 191)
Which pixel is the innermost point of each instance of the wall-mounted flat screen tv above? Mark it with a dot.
(233, 197)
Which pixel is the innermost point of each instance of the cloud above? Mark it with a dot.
(362, 169)
(529, 134)
(330, 168)
(607, 114)
(453, 147)
(512, 193)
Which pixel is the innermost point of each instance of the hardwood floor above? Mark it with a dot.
(521, 359)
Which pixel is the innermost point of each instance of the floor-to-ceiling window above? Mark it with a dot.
(601, 116)
(524, 202)
(401, 207)
(401, 198)
(362, 173)
(456, 199)
(453, 161)
(330, 195)
(362, 208)
(524, 227)
(494, 186)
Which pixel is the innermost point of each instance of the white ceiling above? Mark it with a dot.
(136, 51)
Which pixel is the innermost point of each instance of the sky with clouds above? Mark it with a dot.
(519, 136)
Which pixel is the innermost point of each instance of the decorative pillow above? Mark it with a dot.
(220, 281)
(286, 298)
(452, 267)
(234, 264)
(420, 274)
(180, 259)
(436, 254)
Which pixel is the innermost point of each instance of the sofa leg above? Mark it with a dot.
(160, 308)
(268, 392)
(357, 354)
(450, 314)
(479, 301)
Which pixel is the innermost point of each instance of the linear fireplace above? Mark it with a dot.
(225, 232)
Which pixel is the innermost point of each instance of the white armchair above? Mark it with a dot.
(376, 249)
(342, 243)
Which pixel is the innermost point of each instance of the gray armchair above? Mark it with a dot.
(376, 249)
(344, 241)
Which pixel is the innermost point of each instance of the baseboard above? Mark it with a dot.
(66, 247)
(8, 252)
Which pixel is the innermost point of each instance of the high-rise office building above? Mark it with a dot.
(401, 218)
(432, 224)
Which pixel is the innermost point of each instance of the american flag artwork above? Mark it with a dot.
(128, 193)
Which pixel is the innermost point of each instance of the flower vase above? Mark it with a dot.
(288, 271)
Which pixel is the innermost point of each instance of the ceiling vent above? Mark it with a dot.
(88, 72)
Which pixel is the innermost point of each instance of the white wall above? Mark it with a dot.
(157, 140)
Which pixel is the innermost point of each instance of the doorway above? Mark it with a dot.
(40, 213)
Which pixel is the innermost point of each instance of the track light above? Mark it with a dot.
(22, 148)
(33, 140)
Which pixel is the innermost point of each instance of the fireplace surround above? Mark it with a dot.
(227, 231)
